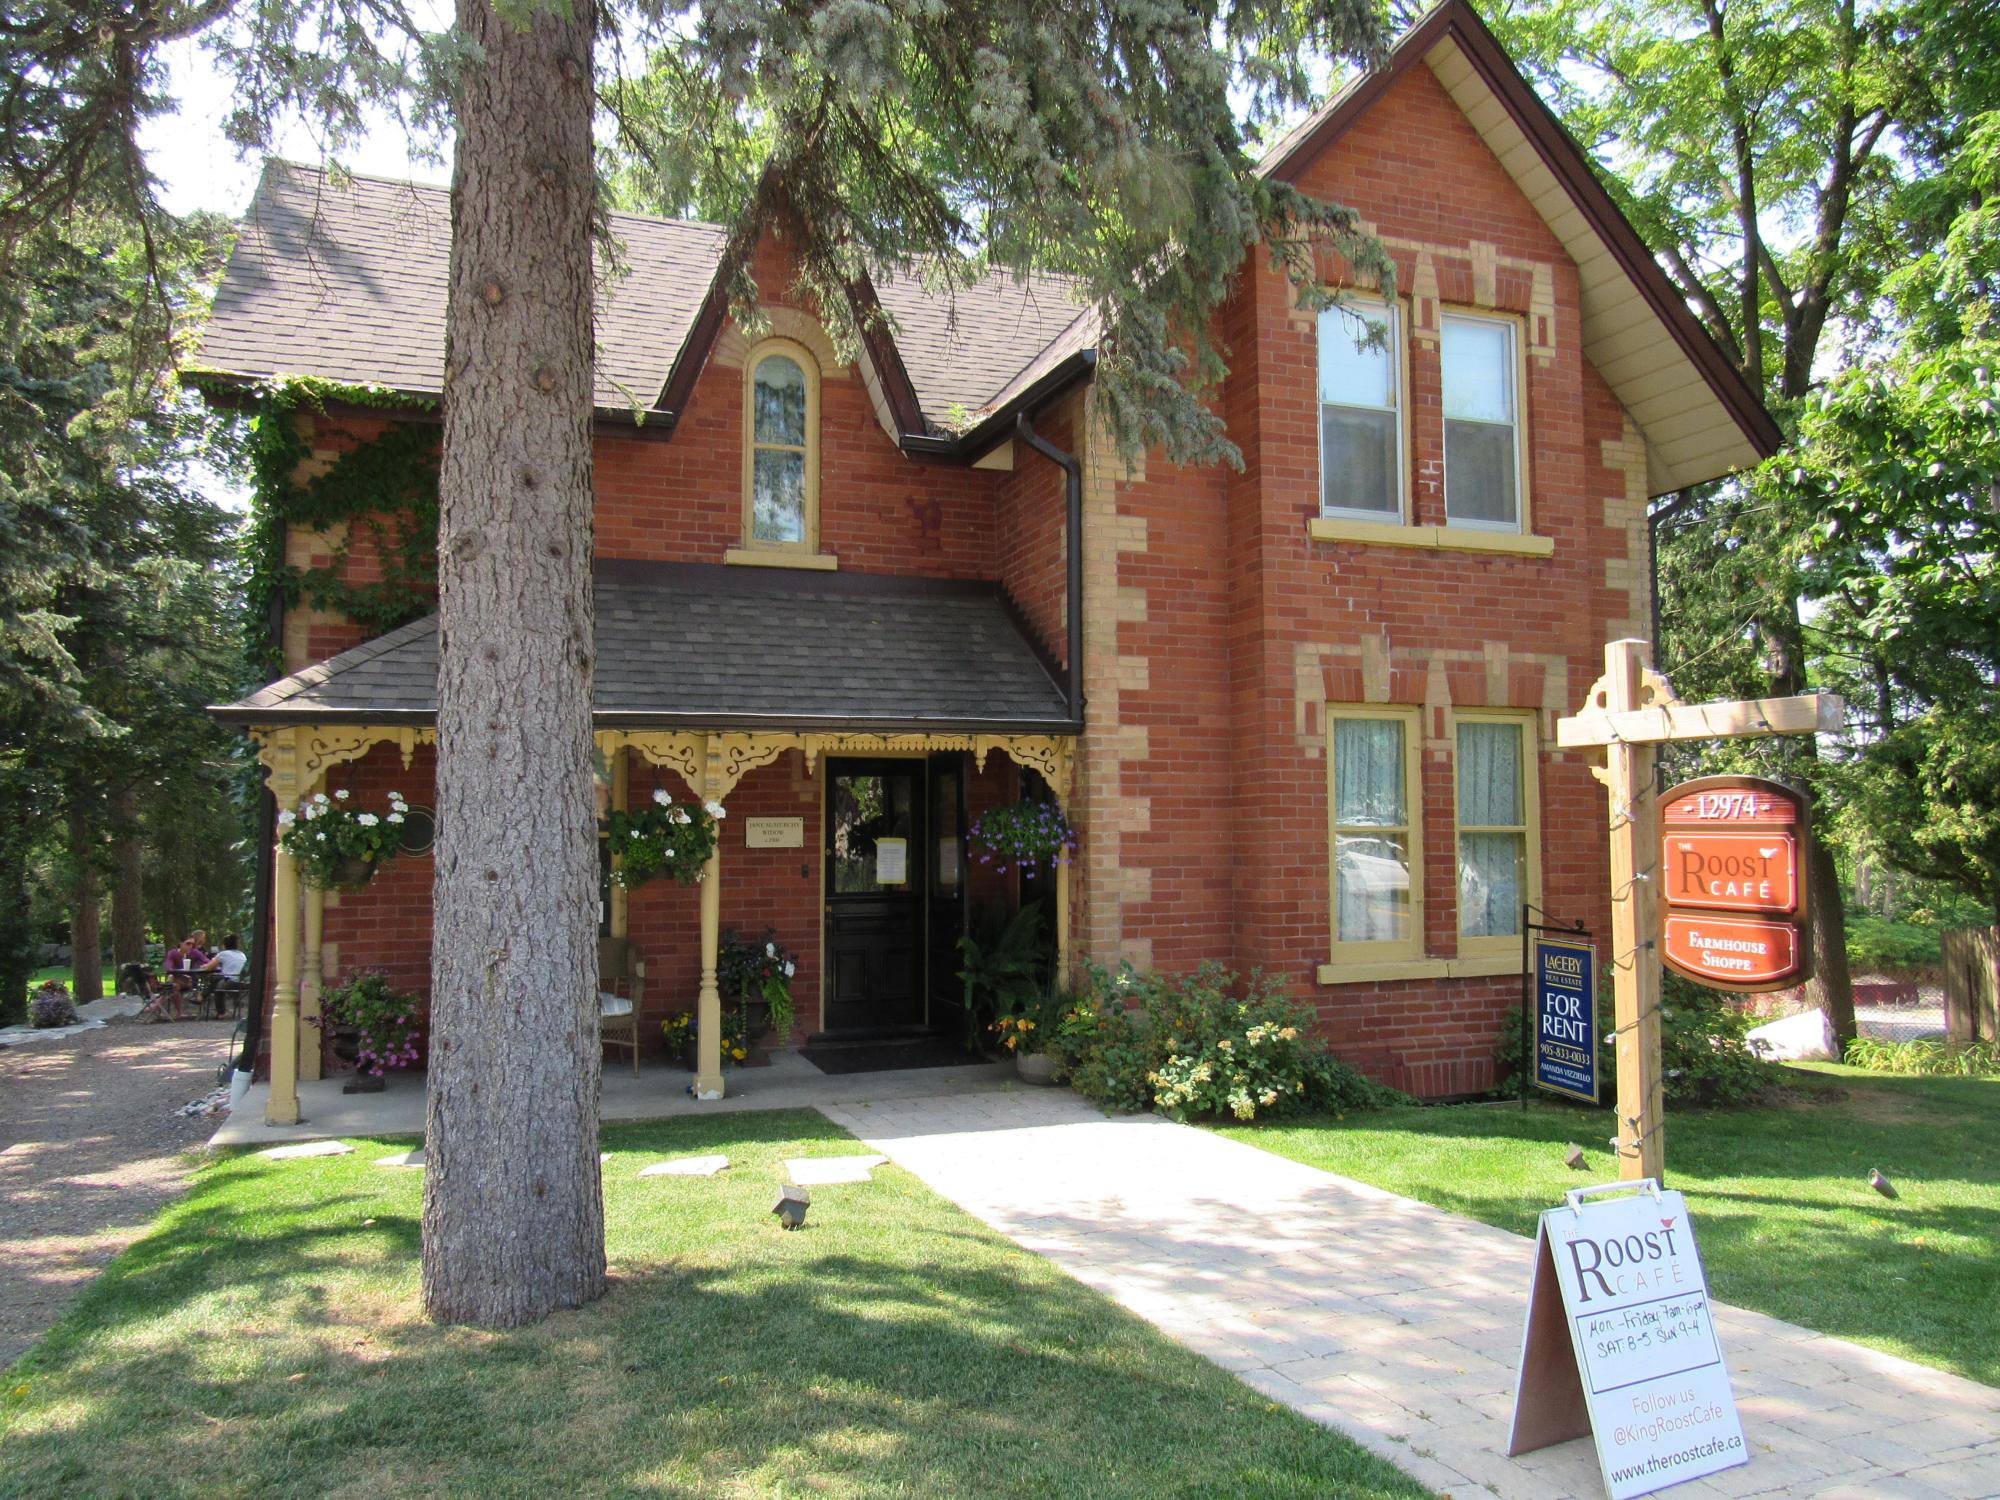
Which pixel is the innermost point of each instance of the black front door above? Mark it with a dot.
(875, 885)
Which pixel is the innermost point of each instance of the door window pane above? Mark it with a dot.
(1361, 440)
(867, 809)
(1481, 431)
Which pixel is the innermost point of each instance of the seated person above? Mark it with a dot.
(181, 963)
(227, 966)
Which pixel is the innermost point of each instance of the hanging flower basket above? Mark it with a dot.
(1023, 835)
(338, 846)
(669, 838)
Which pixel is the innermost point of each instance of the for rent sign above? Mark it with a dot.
(1732, 861)
(1565, 1014)
(1620, 1338)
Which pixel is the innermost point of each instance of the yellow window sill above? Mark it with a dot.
(1437, 538)
(762, 557)
(1382, 970)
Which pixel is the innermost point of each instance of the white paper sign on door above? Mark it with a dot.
(1620, 1343)
(892, 861)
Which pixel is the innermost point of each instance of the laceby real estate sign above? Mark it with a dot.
(1564, 972)
(1620, 1343)
(1732, 862)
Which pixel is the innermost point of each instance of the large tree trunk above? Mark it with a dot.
(86, 935)
(513, 1211)
(128, 914)
(17, 961)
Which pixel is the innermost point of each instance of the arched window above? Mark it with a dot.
(781, 449)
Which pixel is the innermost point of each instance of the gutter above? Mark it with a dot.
(1073, 536)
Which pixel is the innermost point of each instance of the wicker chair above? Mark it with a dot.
(621, 994)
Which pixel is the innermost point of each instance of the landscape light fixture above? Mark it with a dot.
(1575, 1160)
(791, 1205)
(1881, 1184)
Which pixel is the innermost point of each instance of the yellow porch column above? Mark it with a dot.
(282, 1108)
(708, 1008)
(310, 986)
(621, 794)
(1062, 923)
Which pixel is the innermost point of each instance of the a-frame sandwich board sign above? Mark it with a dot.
(1620, 1344)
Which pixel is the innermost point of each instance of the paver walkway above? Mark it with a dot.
(1395, 1322)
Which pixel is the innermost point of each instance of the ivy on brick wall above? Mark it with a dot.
(384, 488)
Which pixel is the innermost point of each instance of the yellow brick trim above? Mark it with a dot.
(1419, 968)
(1436, 538)
(758, 557)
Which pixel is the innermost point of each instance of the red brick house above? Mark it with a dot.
(1301, 714)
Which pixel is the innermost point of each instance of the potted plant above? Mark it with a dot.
(1031, 1034)
(759, 972)
(683, 1037)
(663, 837)
(1024, 835)
(372, 1026)
(337, 846)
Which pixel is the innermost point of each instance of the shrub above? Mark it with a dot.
(1202, 1045)
(1882, 945)
(1932, 1056)
(1705, 1050)
(385, 1020)
(51, 1006)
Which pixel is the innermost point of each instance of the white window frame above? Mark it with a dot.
(1396, 347)
(1515, 374)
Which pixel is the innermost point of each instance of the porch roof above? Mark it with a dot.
(693, 645)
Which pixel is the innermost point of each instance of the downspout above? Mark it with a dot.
(1073, 539)
(260, 905)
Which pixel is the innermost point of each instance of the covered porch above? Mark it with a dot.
(808, 688)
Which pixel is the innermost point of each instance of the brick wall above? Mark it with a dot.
(1210, 764)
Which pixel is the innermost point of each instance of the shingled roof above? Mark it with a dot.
(344, 280)
(682, 644)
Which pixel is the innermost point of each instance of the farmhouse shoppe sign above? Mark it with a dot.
(1732, 859)
(1620, 1343)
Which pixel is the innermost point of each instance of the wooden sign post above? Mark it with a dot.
(1631, 710)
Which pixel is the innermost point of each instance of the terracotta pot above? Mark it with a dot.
(1038, 1068)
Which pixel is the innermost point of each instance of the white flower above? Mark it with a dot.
(662, 796)
(321, 837)
(790, 968)
(715, 810)
(682, 816)
(770, 950)
(339, 796)
(395, 817)
(395, 796)
(320, 798)
(286, 818)
(666, 854)
(367, 820)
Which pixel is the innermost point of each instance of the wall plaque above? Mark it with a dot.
(774, 833)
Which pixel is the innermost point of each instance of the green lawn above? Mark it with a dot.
(265, 1340)
(63, 974)
(1779, 1195)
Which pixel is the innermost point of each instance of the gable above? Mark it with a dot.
(1699, 417)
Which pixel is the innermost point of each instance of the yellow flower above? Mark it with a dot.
(1224, 1045)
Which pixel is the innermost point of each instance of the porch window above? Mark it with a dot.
(1482, 460)
(1498, 838)
(1374, 833)
(1360, 415)
(781, 458)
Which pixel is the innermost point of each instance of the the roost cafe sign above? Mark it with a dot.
(1733, 857)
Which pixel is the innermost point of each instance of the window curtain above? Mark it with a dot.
(1372, 872)
(1491, 866)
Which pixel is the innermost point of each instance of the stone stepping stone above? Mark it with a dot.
(402, 1159)
(819, 1171)
(686, 1166)
(307, 1148)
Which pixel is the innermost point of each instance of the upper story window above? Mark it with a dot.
(1482, 458)
(781, 458)
(1360, 416)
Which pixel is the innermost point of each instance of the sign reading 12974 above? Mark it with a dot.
(1732, 861)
